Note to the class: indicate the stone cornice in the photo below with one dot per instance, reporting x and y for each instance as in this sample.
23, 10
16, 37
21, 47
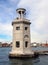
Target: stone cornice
18, 21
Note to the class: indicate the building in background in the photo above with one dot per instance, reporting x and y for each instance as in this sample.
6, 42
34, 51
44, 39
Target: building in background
0, 44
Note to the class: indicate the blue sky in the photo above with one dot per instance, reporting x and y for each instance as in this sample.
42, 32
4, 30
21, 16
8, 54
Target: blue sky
37, 13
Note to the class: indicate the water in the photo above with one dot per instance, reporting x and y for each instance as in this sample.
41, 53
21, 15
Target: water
4, 60
40, 48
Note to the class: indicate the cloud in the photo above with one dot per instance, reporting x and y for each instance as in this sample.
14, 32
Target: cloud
5, 32
5, 40
2, 40
38, 37
13, 1
37, 13
6, 29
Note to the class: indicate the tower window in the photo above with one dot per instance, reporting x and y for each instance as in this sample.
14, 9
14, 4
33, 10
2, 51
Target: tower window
26, 28
26, 43
17, 28
26, 36
17, 44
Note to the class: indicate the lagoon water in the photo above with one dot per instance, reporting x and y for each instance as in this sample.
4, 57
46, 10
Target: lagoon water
4, 59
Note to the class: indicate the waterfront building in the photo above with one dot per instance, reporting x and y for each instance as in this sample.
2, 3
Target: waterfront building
4, 44
0, 44
21, 35
35, 44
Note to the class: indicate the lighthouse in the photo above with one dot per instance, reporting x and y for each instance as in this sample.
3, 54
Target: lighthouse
21, 35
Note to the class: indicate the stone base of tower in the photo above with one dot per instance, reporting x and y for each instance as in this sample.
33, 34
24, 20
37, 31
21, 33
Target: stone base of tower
32, 55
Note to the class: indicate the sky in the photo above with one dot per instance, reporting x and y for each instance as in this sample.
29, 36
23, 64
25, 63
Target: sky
36, 12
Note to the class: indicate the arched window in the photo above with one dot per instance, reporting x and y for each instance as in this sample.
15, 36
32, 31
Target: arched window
17, 44
26, 43
26, 28
18, 28
26, 36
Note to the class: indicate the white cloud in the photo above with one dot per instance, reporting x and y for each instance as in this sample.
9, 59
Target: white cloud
37, 37
24, 3
6, 32
38, 14
4, 40
6, 29
12, 1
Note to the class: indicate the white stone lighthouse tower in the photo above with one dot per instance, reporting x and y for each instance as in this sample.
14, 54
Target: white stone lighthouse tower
21, 36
